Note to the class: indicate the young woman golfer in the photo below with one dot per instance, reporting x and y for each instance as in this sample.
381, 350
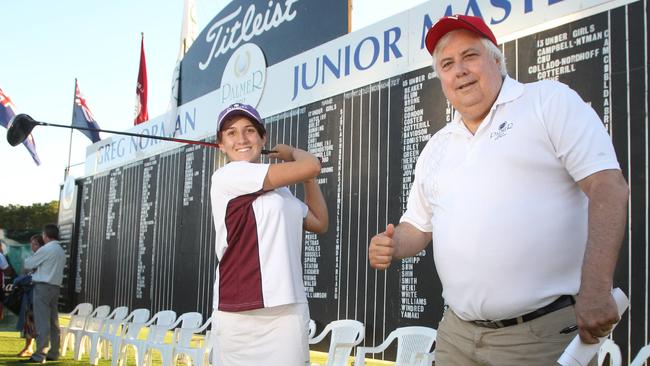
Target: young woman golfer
260, 308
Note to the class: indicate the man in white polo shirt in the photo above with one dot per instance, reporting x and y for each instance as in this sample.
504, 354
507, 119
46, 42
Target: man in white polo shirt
48, 263
523, 199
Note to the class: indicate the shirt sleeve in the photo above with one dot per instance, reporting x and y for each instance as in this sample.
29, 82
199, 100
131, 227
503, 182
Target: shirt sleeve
36, 259
239, 177
578, 135
3, 262
418, 208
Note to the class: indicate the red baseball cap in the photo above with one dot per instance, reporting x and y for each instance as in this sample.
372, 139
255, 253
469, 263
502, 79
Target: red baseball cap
453, 22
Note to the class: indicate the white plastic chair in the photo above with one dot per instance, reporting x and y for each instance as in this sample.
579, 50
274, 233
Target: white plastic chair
642, 356
610, 348
345, 335
312, 329
129, 328
93, 323
196, 354
110, 326
430, 358
413, 346
182, 336
77, 322
158, 326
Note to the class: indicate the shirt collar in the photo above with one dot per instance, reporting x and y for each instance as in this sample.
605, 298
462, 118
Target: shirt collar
510, 90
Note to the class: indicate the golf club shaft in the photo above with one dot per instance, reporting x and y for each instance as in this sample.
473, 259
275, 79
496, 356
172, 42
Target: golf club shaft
191, 142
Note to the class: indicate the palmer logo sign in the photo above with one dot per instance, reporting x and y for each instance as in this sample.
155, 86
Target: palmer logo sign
244, 77
281, 29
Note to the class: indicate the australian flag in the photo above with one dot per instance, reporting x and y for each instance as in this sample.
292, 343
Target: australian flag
6, 114
83, 117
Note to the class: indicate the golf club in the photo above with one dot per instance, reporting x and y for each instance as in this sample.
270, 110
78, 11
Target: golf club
21, 125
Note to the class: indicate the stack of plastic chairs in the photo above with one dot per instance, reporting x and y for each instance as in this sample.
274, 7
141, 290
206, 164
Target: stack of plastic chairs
77, 322
157, 325
198, 355
182, 337
110, 326
93, 323
127, 329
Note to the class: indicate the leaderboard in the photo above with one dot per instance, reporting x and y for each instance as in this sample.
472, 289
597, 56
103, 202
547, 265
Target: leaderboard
577, 54
146, 236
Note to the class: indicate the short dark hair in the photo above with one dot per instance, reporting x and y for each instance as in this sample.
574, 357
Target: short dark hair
38, 238
52, 231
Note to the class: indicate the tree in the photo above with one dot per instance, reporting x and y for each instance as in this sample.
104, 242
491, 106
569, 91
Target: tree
20, 222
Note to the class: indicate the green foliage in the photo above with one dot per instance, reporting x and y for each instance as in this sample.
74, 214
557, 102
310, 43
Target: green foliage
20, 222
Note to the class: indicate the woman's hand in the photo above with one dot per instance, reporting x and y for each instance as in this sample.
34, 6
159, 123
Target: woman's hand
293, 166
282, 152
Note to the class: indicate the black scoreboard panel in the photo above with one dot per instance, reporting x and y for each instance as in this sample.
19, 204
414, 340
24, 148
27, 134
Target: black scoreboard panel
577, 54
146, 236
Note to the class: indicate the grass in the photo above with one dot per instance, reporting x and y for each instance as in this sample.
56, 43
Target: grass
11, 344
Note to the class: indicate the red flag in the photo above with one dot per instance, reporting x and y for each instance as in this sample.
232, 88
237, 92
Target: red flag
141, 113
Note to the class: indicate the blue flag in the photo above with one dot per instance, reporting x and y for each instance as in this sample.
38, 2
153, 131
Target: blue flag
83, 117
6, 114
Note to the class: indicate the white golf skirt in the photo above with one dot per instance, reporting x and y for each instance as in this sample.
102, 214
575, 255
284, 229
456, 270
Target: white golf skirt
276, 336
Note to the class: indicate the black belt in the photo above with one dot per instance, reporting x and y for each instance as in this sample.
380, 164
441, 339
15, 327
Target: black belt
45, 283
561, 302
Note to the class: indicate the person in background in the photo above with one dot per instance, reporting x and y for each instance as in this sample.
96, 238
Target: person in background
261, 314
47, 263
5, 269
526, 205
25, 322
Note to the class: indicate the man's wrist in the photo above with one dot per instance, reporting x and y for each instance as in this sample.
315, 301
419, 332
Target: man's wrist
596, 286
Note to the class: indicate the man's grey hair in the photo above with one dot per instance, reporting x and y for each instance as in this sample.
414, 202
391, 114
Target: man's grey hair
492, 49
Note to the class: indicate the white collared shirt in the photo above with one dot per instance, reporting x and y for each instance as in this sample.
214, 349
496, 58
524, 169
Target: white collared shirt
48, 261
258, 240
508, 221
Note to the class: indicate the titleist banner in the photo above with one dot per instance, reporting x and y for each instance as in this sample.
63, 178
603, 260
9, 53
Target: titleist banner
280, 28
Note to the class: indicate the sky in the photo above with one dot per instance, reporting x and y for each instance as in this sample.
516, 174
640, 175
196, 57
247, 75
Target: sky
47, 44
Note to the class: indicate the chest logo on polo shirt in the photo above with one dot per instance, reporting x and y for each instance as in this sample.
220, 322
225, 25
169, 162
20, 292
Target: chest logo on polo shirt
501, 131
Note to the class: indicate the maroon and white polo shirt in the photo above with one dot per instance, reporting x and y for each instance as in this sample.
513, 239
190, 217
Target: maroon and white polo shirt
258, 240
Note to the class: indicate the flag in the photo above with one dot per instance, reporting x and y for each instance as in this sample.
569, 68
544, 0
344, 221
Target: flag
189, 28
175, 99
82, 116
141, 113
189, 32
6, 114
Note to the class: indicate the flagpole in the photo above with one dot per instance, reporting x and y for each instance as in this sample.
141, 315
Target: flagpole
67, 167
